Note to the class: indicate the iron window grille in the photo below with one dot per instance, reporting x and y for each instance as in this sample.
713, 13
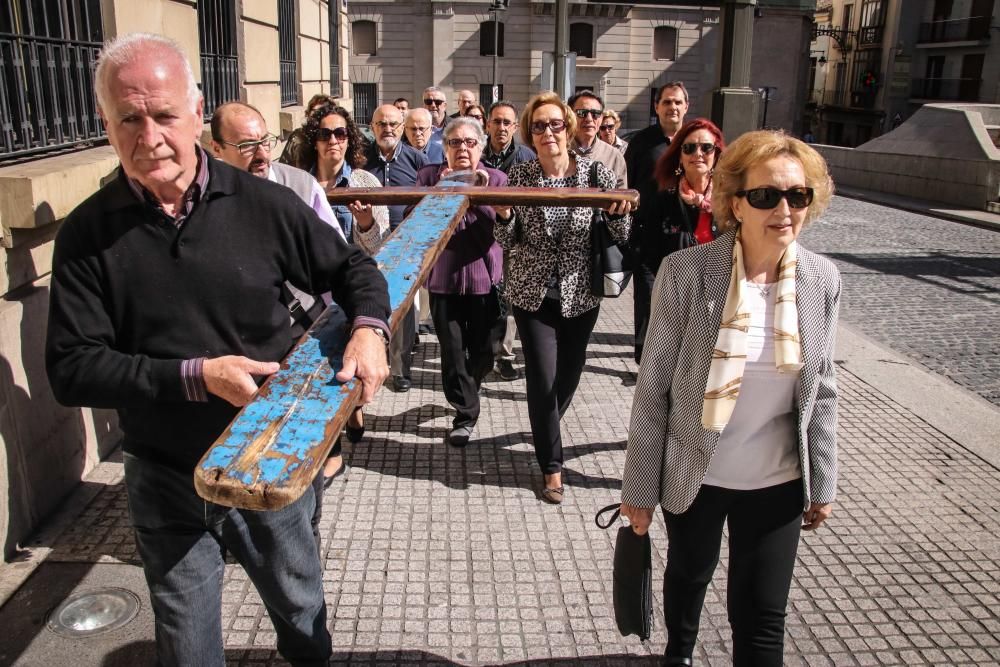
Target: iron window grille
219, 66
487, 29
48, 52
581, 39
286, 53
365, 101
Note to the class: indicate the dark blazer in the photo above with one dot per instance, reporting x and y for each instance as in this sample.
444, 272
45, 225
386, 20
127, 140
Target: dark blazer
662, 225
669, 451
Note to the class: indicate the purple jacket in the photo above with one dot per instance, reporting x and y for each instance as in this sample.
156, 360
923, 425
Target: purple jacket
472, 262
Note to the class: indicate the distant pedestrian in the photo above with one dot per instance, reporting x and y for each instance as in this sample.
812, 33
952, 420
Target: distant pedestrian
417, 129
476, 111
548, 277
734, 419
676, 211
402, 104
297, 146
465, 99
589, 109
608, 130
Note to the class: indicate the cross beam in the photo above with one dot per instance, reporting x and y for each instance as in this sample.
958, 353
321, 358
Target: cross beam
276, 445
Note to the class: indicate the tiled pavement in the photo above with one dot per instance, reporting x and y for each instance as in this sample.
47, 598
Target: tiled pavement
436, 557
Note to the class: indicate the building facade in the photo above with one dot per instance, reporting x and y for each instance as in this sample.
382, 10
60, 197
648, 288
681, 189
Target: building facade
273, 54
875, 64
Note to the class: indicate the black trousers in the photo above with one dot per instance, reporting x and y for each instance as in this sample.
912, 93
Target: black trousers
764, 527
466, 330
555, 350
642, 295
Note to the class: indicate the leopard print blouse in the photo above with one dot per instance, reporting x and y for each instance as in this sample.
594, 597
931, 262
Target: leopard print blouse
549, 244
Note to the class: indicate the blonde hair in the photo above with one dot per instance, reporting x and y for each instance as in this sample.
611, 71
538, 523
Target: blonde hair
540, 100
613, 115
752, 149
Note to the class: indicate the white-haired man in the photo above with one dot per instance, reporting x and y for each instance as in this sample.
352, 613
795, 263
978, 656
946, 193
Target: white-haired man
166, 305
417, 128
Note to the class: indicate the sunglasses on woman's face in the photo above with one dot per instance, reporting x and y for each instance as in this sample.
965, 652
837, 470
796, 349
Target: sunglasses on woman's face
326, 133
768, 197
689, 149
557, 125
607, 128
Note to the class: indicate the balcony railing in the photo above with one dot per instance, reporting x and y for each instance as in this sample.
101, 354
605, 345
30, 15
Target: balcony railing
858, 98
973, 28
951, 90
870, 35
47, 97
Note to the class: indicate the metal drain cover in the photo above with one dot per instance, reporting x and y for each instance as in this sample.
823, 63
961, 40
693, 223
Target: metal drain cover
94, 612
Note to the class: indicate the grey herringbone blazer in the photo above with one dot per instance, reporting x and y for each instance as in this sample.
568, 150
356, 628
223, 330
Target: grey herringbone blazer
668, 449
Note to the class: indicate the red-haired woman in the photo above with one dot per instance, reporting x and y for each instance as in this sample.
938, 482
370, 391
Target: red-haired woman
676, 210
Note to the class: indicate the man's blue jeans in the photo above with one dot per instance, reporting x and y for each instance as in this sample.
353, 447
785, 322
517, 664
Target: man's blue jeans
181, 538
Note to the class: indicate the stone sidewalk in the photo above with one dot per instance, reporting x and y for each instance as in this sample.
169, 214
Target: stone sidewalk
437, 557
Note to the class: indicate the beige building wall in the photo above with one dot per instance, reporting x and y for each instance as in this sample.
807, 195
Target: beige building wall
45, 449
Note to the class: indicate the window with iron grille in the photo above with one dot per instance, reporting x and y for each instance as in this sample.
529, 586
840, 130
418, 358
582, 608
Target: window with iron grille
872, 23
48, 51
363, 37
487, 30
581, 39
219, 66
334, 12
664, 43
286, 53
486, 94
365, 101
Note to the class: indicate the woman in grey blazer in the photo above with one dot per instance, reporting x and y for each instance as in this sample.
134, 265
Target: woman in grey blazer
735, 412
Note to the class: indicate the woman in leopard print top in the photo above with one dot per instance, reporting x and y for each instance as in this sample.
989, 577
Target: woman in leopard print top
547, 279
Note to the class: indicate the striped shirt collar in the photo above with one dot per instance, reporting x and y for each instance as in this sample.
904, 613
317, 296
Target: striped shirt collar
191, 196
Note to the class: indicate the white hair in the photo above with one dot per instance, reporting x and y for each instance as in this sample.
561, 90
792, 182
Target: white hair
465, 121
132, 47
419, 111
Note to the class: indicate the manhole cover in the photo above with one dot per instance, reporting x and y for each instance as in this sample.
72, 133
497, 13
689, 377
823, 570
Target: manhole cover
95, 612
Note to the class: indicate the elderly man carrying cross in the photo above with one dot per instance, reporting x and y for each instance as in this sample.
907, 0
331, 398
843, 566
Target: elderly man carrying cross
166, 305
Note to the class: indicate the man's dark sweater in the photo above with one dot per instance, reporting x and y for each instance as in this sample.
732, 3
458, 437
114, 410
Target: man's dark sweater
644, 149
133, 297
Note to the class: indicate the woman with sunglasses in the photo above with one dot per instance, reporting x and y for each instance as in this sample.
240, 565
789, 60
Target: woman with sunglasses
547, 279
607, 131
464, 303
735, 412
477, 112
676, 210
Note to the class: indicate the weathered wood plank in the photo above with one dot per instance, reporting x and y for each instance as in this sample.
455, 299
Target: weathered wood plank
276, 445
489, 196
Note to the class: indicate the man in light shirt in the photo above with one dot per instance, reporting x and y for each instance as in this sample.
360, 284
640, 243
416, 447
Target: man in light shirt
589, 109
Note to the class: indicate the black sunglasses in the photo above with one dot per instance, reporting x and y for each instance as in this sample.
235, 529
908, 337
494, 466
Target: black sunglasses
326, 133
428, 102
706, 148
593, 113
769, 197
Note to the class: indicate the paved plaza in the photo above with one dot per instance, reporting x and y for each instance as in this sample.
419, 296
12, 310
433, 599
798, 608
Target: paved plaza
437, 556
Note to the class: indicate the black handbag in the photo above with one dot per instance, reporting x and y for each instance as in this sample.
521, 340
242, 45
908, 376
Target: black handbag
633, 578
610, 268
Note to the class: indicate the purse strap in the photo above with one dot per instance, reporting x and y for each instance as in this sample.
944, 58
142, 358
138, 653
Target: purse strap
617, 507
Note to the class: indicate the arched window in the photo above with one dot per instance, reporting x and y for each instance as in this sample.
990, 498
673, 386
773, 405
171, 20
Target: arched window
363, 38
581, 39
486, 32
665, 43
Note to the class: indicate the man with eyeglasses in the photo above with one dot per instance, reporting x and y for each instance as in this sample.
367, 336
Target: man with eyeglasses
417, 133
436, 102
502, 153
395, 163
589, 109
466, 98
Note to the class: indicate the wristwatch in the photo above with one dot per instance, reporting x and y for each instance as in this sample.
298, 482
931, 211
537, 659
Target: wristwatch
379, 331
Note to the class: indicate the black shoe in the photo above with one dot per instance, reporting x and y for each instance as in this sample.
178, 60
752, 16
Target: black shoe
424, 329
402, 384
459, 436
342, 470
355, 433
506, 370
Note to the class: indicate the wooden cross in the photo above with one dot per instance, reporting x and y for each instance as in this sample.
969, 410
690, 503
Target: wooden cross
277, 444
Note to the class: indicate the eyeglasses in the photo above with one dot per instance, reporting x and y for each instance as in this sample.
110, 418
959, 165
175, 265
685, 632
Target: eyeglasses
416, 129
769, 197
387, 124
607, 128
502, 122
456, 142
706, 148
248, 148
474, 115
326, 133
557, 125
593, 113
429, 102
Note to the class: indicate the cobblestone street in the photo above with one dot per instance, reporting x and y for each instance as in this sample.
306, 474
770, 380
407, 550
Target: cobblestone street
435, 556
925, 287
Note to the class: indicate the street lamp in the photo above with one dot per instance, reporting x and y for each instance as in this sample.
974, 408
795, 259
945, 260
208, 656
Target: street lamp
495, 7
